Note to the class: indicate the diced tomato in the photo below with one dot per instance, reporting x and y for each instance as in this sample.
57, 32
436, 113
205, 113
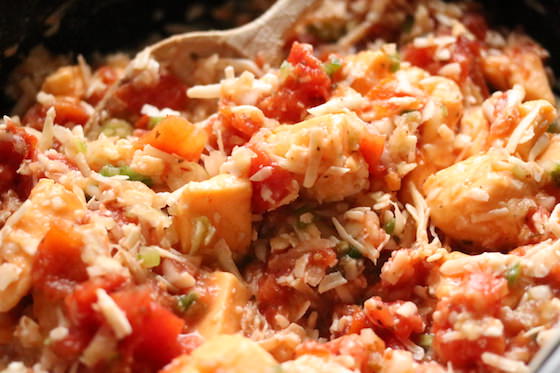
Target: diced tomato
422, 57
71, 346
359, 320
476, 24
349, 345
305, 85
506, 119
58, 265
371, 148
464, 353
387, 315
68, 111
15, 146
482, 292
168, 92
79, 303
155, 338
84, 319
244, 124
108, 75
465, 52
273, 298
143, 122
481, 295
238, 126
270, 192
468, 54
178, 136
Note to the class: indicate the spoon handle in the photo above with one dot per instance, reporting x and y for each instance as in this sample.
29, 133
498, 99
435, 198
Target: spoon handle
547, 360
265, 37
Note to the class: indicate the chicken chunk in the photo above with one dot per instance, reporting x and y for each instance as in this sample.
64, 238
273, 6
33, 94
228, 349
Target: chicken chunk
224, 354
520, 64
484, 199
214, 209
323, 153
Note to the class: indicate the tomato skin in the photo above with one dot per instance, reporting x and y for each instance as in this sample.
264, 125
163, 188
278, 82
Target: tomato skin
58, 266
167, 92
305, 86
280, 183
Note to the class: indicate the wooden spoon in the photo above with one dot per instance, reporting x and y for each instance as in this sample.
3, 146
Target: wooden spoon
263, 37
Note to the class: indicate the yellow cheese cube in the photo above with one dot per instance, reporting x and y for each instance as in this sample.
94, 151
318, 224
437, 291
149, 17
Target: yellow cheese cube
214, 209
229, 295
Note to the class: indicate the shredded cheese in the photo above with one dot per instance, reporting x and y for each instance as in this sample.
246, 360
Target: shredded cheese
113, 314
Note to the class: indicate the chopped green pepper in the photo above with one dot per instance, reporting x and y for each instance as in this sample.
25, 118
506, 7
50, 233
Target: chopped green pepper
408, 23
395, 63
425, 340
149, 257
81, 146
389, 226
332, 66
185, 301
109, 170
154, 121
116, 127
354, 253
555, 175
285, 70
512, 274
553, 127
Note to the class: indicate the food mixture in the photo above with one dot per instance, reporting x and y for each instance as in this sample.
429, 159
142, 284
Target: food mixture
385, 200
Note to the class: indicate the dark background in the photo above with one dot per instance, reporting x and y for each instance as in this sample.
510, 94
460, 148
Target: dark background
89, 26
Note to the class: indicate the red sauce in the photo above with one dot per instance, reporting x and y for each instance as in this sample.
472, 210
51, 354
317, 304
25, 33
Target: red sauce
305, 85
279, 183
168, 92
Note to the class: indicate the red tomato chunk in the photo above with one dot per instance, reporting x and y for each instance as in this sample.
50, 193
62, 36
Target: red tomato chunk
270, 192
305, 84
